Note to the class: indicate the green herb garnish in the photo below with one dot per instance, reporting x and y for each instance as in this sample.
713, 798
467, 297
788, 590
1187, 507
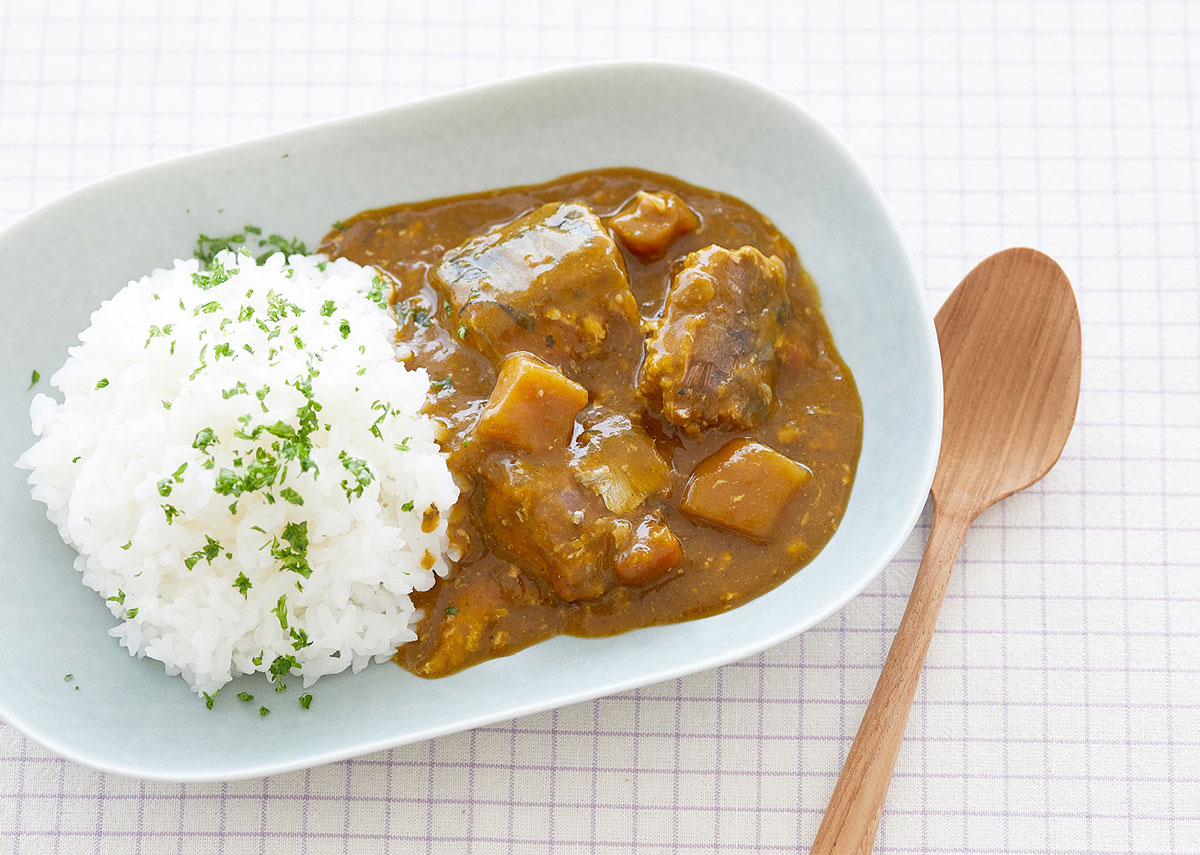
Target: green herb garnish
295, 246
280, 611
360, 473
280, 669
204, 438
33, 378
376, 295
293, 556
208, 552
158, 332
208, 247
299, 639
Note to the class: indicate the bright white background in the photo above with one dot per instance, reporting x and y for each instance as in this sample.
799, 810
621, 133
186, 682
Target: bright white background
1060, 709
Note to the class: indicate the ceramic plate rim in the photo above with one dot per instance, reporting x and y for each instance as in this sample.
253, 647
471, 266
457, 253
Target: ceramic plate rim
500, 89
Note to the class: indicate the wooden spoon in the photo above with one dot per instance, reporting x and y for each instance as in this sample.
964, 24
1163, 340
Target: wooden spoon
1009, 336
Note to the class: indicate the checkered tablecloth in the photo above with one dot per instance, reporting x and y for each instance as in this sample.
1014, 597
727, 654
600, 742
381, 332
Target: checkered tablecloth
1060, 708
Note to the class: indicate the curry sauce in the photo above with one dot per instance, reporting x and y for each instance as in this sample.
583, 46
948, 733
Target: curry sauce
638, 395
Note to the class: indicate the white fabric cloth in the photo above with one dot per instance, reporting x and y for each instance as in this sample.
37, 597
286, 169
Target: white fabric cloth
1059, 711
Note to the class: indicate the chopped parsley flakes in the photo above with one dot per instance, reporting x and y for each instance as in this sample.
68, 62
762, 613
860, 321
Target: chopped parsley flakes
299, 639
292, 552
256, 451
207, 553
360, 475
204, 438
207, 247
376, 295
280, 668
280, 611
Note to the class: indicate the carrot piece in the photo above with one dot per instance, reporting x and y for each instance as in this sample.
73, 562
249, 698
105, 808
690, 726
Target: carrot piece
652, 222
655, 550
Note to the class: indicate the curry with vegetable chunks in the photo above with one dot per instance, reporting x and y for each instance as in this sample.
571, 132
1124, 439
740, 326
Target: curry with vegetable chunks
639, 398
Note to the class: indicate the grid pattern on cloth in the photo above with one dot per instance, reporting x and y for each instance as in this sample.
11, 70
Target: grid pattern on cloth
1059, 711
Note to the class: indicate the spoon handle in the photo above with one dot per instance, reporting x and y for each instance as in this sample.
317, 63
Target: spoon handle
852, 818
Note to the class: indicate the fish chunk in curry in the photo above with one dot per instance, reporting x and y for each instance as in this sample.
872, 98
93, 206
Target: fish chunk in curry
639, 399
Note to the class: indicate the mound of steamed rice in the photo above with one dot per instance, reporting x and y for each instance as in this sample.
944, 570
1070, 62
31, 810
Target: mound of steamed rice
244, 469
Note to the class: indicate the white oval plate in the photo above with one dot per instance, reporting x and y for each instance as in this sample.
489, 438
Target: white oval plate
709, 128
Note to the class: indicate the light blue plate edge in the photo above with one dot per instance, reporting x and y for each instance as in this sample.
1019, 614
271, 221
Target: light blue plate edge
900, 525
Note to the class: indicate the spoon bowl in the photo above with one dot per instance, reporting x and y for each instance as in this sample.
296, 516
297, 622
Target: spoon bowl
1010, 342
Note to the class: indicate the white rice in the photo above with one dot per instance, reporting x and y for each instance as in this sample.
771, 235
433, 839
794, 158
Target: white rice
129, 475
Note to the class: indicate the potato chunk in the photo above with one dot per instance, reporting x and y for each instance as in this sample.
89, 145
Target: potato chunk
651, 222
744, 487
551, 282
532, 406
